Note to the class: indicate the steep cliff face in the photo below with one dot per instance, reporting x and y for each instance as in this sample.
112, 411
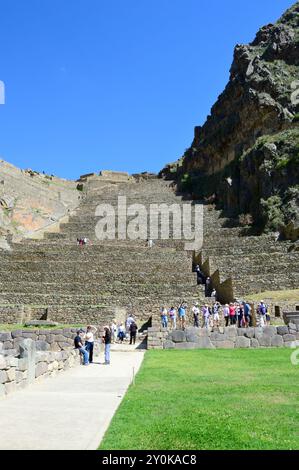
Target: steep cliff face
247, 152
30, 201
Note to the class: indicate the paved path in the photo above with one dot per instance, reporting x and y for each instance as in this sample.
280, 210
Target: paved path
69, 411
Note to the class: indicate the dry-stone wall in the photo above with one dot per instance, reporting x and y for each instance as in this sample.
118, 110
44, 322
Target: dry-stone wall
26, 356
224, 337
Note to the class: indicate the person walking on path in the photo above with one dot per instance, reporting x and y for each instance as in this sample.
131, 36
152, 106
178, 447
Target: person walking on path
195, 311
172, 317
121, 332
79, 345
89, 340
107, 342
133, 332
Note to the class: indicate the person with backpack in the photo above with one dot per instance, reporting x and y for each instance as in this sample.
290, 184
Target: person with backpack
247, 314
262, 311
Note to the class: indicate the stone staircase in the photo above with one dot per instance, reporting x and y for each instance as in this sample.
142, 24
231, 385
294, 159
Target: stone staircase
55, 278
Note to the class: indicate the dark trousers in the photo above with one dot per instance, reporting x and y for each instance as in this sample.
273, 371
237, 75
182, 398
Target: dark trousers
89, 349
132, 337
196, 323
226, 321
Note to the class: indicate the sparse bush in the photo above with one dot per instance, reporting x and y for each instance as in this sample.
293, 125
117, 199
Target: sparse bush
272, 213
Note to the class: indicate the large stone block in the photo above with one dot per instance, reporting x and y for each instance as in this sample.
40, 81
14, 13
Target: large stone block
289, 337
231, 331
42, 345
277, 341
265, 340
186, 345
249, 332
178, 336
270, 330
41, 368
282, 330
11, 374
5, 337
205, 343
3, 376
242, 342
254, 343
224, 344
169, 345
23, 364
10, 387
3, 363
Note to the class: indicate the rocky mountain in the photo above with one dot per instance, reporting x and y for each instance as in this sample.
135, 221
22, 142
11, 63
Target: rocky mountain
246, 155
32, 201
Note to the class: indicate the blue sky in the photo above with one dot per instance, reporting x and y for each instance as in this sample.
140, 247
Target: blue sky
115, 84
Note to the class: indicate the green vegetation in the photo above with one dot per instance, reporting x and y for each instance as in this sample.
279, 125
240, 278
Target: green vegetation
279, 295
296, 118
210, 399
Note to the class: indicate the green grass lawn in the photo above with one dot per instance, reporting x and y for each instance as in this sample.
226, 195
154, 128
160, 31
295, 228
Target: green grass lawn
278, 295
210, 399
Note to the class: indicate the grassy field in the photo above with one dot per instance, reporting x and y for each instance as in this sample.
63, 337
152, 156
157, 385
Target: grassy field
278, 295
210, 399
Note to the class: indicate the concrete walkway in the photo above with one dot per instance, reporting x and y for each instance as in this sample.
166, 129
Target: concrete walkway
70, 411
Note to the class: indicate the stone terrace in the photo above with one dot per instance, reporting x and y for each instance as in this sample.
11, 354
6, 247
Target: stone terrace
57, 279
240, 264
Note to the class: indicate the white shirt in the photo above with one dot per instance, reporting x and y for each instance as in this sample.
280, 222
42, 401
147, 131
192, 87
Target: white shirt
89, 337
195, 310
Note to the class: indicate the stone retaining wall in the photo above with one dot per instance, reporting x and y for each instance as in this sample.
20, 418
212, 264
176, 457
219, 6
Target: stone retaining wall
45, 340
223, 337
30, 365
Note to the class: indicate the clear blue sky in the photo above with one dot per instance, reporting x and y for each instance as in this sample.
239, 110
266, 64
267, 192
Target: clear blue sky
115, 84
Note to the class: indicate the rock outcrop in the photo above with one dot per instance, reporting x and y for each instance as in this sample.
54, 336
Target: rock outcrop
247, 152
31, 201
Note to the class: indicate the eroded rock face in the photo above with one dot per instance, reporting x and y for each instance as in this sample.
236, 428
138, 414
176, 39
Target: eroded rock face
260, 101
30, 200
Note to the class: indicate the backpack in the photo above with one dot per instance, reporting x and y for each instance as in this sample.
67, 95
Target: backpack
263, 309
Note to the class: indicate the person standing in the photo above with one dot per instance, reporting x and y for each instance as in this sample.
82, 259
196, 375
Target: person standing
130, 319
107, 342
206, 315
182, 315
133, 332
232, 313
79, 345
113, 332
195, 311
226, 314
164, 318
89, 340
216, 318
121, 332
172, 317
262, 310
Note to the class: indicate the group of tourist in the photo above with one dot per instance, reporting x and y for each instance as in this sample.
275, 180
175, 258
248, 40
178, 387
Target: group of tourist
235, 313
84, 340
123, 332
83, 241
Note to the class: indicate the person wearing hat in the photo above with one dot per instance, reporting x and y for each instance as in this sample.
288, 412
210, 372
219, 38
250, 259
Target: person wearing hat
79, 345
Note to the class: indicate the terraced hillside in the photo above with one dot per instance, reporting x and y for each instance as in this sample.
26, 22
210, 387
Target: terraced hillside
101, 281
240, 264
